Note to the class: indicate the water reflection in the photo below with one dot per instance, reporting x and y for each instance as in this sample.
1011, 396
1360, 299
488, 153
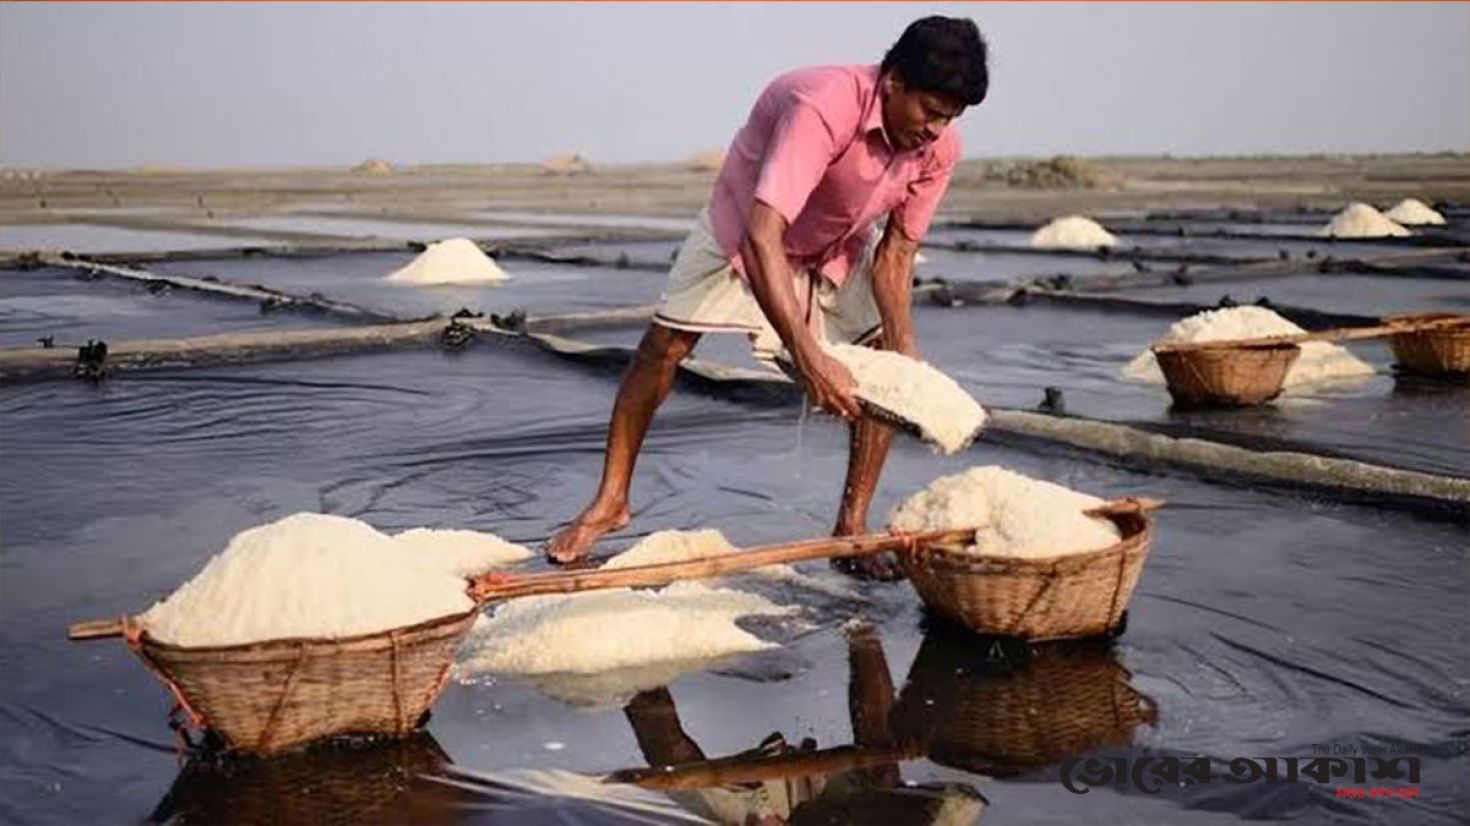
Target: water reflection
983, 706
1004, 710
348, 782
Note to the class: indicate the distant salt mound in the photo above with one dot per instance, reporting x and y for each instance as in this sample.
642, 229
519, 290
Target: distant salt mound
565, 164
1412, 212
373, 166
1073, 232
709, 161
455, 261
1360, 220
1319, 360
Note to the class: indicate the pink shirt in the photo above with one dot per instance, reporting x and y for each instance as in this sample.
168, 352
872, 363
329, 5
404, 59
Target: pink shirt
814, 150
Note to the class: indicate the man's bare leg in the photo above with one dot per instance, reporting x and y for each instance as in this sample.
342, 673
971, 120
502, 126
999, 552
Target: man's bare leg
868, 442
645, 386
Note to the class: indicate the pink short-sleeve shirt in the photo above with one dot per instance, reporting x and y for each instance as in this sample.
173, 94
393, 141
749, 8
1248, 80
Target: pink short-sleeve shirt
814, 149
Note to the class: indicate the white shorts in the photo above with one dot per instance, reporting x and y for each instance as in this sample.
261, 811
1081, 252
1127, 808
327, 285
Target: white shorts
705, 295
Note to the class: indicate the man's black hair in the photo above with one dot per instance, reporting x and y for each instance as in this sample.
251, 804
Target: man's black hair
943, 56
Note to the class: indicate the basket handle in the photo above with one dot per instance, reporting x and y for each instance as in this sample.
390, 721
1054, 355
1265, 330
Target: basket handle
1128, 504
1392, 328
97, 629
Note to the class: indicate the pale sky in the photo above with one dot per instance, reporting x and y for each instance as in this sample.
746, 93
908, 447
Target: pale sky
219, 84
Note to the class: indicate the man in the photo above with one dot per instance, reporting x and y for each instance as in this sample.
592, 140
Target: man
785, 252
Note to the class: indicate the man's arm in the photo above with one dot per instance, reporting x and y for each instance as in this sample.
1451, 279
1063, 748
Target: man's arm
772, 282
893, 278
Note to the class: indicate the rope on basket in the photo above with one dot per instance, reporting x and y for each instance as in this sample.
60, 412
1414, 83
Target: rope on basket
133, 636
397, 696
269, 733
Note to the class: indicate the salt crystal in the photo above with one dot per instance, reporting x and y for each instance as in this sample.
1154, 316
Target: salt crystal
1360, 220
915, 391
1073, 232
1412, 212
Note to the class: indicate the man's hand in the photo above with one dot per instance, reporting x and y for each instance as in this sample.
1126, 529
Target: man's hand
828, 382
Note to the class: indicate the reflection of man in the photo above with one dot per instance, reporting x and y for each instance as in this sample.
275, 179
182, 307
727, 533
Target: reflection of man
787, 253
823, 790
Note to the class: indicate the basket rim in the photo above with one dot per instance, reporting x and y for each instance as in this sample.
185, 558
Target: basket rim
1140, 526
1224, 348
259, 646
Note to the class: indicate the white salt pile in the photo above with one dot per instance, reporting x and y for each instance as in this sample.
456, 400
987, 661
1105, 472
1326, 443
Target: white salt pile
1318, 361
465, 553
1412, 212
1074, 232
455, 261
1360, 220
614, 643
1016, 515
315, 575
915, 391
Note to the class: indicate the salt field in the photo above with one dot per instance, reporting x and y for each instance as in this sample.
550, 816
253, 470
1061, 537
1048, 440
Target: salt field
1269, 618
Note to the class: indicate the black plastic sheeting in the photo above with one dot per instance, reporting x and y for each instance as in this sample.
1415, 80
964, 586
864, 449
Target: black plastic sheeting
1265, 623
72, 308
534, 287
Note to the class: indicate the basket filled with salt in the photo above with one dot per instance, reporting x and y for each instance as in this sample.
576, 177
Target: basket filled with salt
1435, 344
1046, 562
310, 627
1226, 375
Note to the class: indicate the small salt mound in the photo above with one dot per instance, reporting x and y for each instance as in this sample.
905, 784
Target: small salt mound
1412, 212
672, 546
679, 546
916, 391
1360, 220
629, 639
462, 552
1318, 361
455, 261
1016, 515
308, 575
1073, 232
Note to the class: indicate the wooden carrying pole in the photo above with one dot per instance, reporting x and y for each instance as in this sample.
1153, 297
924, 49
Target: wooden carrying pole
1340, 334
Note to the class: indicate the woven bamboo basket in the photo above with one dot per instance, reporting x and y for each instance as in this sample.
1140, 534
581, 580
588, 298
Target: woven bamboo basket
1441, 351
997, 718
1060, 597
270, 697
1235, 376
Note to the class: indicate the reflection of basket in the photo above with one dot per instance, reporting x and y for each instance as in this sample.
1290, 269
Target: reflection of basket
327, 785
1434, 351
1234, 376
265, 698
992, 717
1076, 595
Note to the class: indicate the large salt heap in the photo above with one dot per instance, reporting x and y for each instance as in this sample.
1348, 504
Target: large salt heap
1360, 220
1412, 212
1074, 232
316, 575
455, 261
1319, 360
1015, 515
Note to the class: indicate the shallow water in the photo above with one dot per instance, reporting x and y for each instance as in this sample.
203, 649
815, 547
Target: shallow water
1354, 294
72, 308
1264, 623
423, 231
95, 238
534, 287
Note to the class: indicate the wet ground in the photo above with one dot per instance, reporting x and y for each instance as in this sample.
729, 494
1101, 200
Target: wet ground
1266, 623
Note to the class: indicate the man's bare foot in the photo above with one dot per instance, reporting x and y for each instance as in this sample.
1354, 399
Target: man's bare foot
881, 567
576, 540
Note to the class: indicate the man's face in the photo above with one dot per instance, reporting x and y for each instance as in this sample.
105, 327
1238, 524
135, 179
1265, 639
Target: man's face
915, 118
